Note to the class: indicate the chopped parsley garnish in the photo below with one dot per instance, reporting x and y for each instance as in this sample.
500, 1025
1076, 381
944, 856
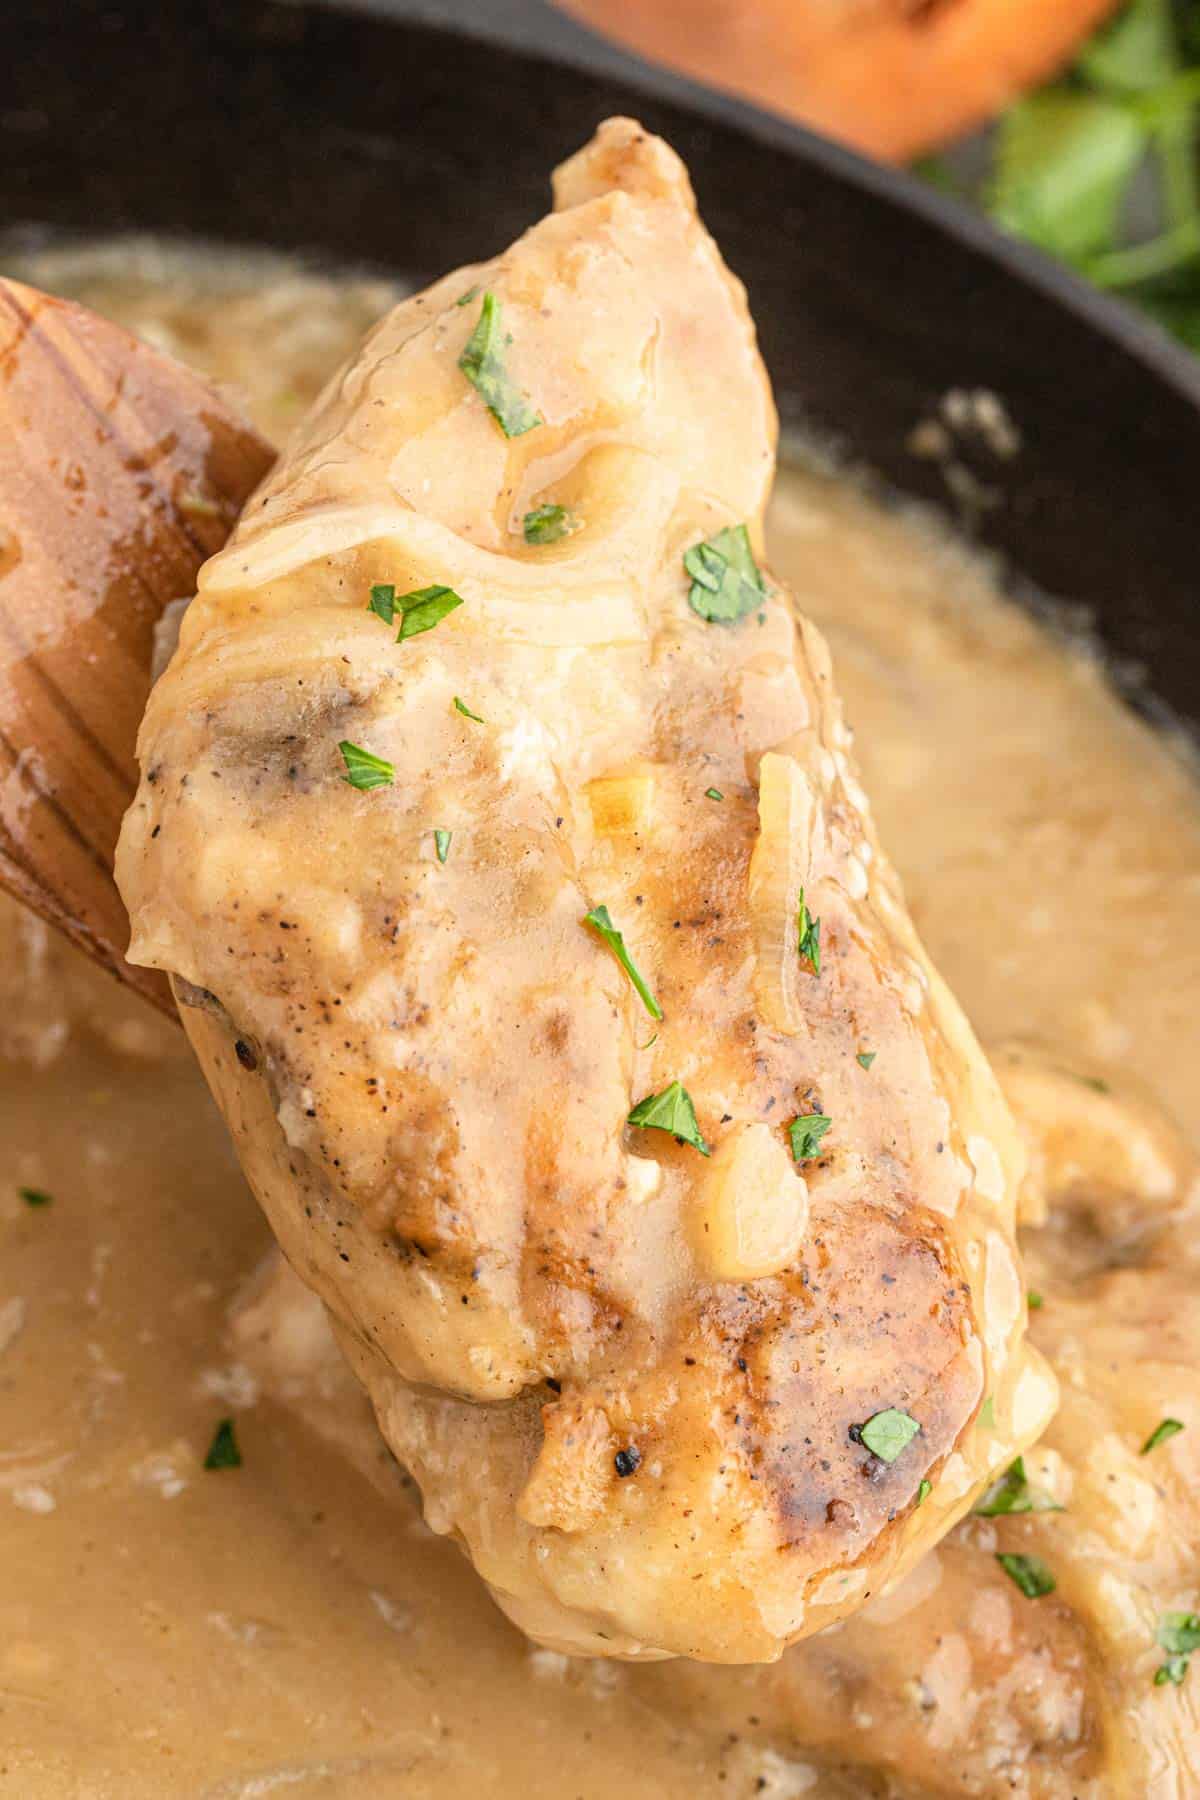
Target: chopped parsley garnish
924, 1491
887, 1433
483, 364
460, 706
1035, 1301
424, 608
713, 794
806, 1133
364, 770
466, 299
1069, 159
987, 1414
672, 1111
599, 918
1166, 1428
35, 1196
1179, 1634
419, 611
1029, 1573
1015, 1493
223, 1452
808, 936
726, 582
865, 1058
546, 524
441, 842
383, 601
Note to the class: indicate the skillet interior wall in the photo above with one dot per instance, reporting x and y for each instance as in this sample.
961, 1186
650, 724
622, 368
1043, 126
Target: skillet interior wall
412, 148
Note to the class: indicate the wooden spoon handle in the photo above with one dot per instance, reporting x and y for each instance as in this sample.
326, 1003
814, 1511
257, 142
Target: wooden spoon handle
120, 473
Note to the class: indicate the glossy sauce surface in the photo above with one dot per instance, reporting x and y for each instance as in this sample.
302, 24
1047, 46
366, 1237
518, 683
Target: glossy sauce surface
290, 1625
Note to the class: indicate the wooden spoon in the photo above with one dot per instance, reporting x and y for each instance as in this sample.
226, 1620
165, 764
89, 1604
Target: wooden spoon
120, 473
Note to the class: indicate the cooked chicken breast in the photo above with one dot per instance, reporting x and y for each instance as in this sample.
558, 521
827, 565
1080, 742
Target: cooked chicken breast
500, 828
957, 1684
962, 1683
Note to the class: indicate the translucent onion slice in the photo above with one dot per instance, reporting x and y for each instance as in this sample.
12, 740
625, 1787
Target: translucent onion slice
779, 868
591, 594
506, 599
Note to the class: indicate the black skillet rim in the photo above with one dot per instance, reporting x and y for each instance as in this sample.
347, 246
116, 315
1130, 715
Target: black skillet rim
874, 293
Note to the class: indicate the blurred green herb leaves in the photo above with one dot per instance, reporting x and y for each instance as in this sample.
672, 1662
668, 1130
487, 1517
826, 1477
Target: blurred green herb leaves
1077, 167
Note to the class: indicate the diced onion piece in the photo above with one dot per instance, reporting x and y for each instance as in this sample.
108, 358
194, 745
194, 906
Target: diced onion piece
621, 803
778, 871
754, 1209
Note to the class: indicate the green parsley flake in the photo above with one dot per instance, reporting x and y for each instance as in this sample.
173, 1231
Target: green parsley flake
35, 1196
1015, 1493
424, 608
383, 601
599, 918
546, 524
865, 1058
672, 1111
726, 582
483, 364
887, 1433
924, 1491
808, 936
466, 299
1167, 1428
441, 841
987, 1414
1029, 1573
364, 770
223, 1452
1035, 1301
1179, 1635
806, 1133
419, 611
460, 706
713, 794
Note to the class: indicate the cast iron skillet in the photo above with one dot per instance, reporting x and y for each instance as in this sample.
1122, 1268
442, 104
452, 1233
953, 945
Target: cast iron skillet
393, 141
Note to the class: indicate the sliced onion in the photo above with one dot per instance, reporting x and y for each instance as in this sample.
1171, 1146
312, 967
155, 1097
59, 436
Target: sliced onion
753, 1208
586, 595
779, 869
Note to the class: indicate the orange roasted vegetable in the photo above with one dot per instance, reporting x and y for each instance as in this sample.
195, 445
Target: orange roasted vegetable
891, 77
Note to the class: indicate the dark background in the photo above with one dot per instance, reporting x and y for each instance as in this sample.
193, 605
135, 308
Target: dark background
403, 145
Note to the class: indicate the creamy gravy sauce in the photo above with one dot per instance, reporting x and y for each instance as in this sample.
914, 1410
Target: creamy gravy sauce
291, 1626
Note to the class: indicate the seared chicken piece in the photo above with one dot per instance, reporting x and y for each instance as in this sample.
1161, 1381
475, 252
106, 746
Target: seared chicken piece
684, 1324
958, 1684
